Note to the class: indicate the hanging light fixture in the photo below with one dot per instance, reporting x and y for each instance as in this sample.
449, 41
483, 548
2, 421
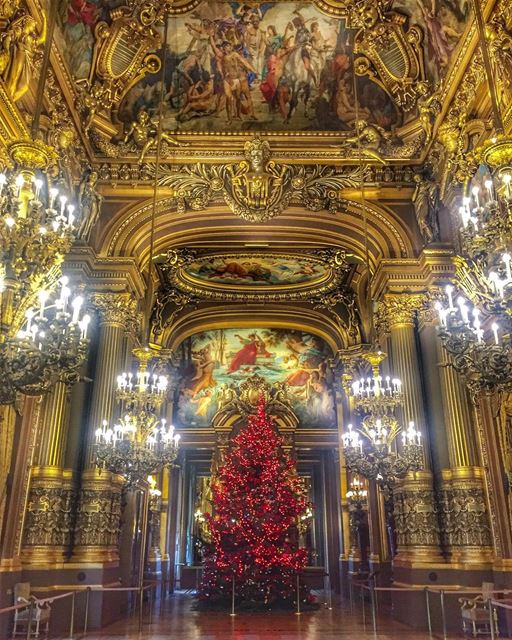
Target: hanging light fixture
43, 333
140, 443
477, 334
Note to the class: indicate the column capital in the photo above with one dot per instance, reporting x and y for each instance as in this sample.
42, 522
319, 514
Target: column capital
396, 310
115, 308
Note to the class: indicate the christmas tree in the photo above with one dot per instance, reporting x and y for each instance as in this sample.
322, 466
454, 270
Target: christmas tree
258, 499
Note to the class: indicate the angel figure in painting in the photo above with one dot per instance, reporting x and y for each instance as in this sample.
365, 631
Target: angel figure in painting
145, 135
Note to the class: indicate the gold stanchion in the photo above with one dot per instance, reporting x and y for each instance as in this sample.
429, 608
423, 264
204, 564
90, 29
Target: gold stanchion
233, 597
298, 613
142, 557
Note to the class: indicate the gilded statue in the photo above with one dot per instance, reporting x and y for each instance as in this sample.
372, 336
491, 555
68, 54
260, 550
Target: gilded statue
145, 135
500, 48
370, 138
90, 204
19, 46
426, 204
8, 8
429, 107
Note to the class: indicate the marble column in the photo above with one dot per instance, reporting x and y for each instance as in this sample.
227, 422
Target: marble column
98, 517
465, 526
415, 510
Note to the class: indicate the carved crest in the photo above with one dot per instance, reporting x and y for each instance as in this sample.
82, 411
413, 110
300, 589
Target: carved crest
392, 57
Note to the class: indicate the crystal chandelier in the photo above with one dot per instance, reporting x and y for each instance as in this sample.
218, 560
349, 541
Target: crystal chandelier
375, 456
478, 337
50, 346
140, 443
377, 396
480, 347
357, 495
371, 451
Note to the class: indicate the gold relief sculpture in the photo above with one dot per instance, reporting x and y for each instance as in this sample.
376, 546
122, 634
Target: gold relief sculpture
391, 56
398, 309
20, 45
244, 398
465, 525
144, 135
117, 308
416, 519
122, 56
48, 526
258, 189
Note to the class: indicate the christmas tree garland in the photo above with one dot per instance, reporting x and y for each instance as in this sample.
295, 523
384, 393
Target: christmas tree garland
258, 499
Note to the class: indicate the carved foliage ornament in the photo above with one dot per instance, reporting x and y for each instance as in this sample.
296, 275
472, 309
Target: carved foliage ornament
258, 189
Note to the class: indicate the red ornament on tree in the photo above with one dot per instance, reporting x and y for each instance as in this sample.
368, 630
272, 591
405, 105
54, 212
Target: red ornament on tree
258, 499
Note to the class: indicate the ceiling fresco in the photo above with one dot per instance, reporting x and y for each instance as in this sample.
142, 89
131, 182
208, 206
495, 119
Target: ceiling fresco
246, 270
269, 66
214, 363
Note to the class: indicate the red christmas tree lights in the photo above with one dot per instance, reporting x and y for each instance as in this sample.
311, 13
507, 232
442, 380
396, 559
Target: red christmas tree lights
258, 499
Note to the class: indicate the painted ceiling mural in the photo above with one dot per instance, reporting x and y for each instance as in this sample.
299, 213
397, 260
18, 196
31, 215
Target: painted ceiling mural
276, 66
256, 271
214, 361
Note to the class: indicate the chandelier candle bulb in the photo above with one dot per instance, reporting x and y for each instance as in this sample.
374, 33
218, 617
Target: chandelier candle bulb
506, 259
449, 293
495, 328
507, 178
475, 192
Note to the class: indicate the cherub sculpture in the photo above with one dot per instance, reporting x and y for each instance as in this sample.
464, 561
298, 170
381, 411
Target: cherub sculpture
144, 134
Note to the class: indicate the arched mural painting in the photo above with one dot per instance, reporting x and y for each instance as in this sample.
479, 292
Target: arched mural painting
212, 362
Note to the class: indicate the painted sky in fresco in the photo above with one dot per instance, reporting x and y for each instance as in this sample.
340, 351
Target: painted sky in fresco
214, 360
254, 271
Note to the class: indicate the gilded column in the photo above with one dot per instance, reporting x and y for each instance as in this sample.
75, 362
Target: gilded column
48, 522
345, 515
415, 509
465, 526
98, 517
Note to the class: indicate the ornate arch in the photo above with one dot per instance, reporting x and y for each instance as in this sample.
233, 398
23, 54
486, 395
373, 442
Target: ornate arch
128, 232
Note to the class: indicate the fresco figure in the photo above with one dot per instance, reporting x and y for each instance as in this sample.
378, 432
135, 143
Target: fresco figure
216, 362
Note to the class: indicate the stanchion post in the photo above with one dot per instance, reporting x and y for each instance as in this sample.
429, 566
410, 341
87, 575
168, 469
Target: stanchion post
86, 614
142, 558
351, 594
72, 616
151, 604
443, 614
362, 602
329, 593
30, 617
374, 614
429, 619
491, 619
233, 596
298, 613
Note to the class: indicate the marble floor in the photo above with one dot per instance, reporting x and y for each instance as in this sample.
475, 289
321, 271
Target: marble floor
178, 621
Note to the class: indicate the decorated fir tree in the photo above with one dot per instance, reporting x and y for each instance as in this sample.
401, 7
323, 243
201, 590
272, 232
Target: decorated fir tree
258, 499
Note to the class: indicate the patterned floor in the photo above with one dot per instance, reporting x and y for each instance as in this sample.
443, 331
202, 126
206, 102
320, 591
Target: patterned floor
178, 621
